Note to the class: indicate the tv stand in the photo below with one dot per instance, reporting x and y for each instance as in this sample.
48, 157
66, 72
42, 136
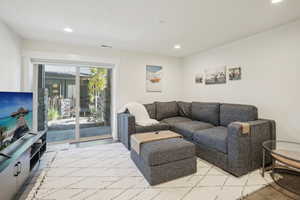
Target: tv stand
19, 165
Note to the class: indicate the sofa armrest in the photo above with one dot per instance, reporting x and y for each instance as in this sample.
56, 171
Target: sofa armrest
272, 127
126, 127
245, 149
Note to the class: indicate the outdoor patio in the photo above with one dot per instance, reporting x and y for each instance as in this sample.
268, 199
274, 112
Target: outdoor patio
64, 129
63, 135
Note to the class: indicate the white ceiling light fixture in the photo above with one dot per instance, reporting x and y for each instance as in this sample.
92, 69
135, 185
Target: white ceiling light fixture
68, 30
276, 1
177, 46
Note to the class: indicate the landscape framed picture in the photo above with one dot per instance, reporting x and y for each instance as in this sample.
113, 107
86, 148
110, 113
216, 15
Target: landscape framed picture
215, 75
154, 76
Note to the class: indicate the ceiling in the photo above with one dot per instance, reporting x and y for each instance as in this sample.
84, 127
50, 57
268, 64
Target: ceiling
153, 26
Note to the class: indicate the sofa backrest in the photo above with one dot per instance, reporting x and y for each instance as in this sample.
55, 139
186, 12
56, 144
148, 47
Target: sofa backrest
236, 112
184, 109
206, 112
166, 110
214, 113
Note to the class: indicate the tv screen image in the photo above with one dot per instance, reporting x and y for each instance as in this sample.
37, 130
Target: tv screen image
15, 116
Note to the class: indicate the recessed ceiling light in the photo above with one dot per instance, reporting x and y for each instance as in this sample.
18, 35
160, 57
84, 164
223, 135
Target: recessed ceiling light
276, 1
177, 46
68, 30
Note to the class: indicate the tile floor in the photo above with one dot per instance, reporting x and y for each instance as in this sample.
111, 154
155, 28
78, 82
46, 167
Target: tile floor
106, 172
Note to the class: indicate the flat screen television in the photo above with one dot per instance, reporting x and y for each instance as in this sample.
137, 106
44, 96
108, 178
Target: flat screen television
15, 116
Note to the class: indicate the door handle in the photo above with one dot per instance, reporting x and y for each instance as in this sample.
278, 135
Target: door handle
16, 170
19, 168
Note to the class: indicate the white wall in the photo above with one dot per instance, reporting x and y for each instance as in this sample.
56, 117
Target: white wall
10, 59
270, 76
131, 69
133, 74
270, 69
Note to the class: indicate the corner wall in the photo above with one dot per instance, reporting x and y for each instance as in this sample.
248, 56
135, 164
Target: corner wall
270, 64
10, 59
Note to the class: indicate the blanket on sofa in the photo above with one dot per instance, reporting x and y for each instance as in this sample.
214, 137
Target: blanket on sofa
140, 113
138, 139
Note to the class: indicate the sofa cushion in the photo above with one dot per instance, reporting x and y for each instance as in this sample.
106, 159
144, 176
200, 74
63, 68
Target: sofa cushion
166, 110
188, 128
185, 109
166, 151
157, 127
215, 138
236, 112
174, 120
151, 108
206, 112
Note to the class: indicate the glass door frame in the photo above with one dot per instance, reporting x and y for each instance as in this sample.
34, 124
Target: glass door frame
77, 66
77, 104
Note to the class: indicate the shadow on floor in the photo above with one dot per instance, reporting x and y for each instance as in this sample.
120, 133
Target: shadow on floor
276, 192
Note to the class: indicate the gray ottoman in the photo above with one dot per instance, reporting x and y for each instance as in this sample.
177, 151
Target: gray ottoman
165, 160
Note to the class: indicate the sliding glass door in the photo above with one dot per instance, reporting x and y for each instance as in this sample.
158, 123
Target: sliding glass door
60, 82
79, 102
94, 115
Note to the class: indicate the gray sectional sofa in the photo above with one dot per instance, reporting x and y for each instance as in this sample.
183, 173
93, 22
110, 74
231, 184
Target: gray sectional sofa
212, 128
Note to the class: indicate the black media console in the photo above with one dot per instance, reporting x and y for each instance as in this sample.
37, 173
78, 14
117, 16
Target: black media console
19, 162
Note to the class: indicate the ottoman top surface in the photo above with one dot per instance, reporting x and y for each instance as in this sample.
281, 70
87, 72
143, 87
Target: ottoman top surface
166, 151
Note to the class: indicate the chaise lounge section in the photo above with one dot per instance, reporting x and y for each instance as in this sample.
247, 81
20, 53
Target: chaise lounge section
214, 128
